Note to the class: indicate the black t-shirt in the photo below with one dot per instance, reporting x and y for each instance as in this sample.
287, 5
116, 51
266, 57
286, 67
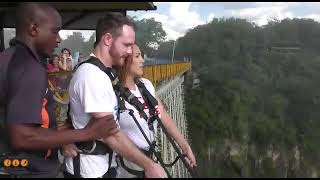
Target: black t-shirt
28, 100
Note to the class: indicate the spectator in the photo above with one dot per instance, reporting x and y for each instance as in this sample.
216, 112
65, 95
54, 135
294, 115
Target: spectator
65, 62
53, 65
81, 58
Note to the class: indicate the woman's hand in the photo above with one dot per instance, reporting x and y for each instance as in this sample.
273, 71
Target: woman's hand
191, 160
70, 150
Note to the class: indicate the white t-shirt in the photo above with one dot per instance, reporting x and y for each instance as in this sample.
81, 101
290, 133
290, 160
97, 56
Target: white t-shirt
90, 91
127, 124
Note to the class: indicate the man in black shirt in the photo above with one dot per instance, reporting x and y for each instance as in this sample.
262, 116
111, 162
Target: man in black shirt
27, 119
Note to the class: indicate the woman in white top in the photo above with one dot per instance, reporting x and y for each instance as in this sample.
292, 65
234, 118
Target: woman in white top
129, 74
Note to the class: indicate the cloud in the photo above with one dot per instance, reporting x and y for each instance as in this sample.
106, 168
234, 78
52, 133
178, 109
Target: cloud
156, 16
311, 6
85, 33
276, 4
316, 17
65, 33
210, 17
179, 19
233, 5
264, 12
260, 15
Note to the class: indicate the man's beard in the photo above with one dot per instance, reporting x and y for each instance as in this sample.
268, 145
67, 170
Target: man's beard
115, 55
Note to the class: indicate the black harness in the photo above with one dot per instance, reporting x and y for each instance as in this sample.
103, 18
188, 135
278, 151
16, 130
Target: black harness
154, 116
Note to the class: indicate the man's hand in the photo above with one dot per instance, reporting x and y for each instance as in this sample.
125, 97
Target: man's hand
102, 127
155, 171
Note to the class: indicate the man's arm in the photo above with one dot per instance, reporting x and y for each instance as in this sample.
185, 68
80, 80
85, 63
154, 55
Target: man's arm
33, 137
121, 144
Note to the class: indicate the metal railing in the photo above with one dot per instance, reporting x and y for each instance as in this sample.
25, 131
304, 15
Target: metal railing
157, 73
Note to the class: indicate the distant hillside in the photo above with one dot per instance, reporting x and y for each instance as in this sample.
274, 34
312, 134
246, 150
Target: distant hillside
255, 112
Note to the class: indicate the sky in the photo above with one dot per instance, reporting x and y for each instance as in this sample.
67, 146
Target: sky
178, 17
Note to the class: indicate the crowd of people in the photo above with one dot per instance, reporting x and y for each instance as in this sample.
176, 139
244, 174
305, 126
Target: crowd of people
64, 61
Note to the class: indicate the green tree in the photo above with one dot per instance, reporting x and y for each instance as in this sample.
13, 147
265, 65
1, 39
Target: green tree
265, 100
149, 35
165, 50
88, 45
74, 42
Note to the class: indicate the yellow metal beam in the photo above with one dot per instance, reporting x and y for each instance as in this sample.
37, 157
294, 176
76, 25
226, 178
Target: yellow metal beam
155, 73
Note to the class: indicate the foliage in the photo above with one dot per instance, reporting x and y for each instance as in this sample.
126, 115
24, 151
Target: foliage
265, 99
76, 42
149, 35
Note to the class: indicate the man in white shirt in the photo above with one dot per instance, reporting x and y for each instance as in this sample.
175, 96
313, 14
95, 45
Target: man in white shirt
91, 95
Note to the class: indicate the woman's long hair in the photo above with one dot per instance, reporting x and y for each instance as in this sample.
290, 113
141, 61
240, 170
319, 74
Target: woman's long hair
123, 70
52, 58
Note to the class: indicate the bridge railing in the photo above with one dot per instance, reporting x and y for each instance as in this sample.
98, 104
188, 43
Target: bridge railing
157, 73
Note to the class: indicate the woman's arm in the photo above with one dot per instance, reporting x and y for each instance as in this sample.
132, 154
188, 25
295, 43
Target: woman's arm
177, 136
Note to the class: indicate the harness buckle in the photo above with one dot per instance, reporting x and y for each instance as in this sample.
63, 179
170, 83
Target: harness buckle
92, 149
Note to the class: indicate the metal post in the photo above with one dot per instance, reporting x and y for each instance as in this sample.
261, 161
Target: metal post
2, 14
174, 45
2, 39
